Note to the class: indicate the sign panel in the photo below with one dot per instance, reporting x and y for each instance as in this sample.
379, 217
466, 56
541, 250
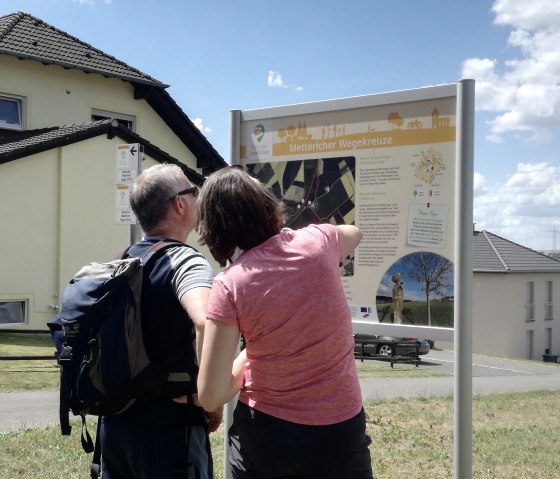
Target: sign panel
385, 163
127, 160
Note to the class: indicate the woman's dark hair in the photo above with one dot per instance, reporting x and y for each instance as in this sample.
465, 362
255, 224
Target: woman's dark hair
236, 210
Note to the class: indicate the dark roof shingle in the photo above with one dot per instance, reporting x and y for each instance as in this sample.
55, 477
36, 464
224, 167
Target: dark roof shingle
31, 142
25, 36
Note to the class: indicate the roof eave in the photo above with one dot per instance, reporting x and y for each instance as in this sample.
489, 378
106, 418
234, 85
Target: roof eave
111, 129
72, 66
208, 159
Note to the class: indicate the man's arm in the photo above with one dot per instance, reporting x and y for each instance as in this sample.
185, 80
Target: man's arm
194, 302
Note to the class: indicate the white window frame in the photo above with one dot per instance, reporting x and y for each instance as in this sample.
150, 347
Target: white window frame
530, 304
21, 104
4, 304
105, 114
549, 304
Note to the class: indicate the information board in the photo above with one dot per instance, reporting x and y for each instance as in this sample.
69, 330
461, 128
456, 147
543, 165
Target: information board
386, 163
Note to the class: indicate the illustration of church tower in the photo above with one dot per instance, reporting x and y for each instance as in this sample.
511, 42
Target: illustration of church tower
435, 116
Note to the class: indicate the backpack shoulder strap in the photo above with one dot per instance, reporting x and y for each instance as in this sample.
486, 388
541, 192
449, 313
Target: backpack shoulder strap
156, 251
161, 245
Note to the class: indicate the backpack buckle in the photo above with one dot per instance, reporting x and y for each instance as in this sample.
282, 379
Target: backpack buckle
65, 355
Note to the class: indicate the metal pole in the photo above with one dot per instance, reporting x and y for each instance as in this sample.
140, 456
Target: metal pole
235, 145
135, 229
463, 280
235, 140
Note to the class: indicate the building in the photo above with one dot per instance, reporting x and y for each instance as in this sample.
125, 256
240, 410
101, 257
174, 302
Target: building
65, 106
514, 292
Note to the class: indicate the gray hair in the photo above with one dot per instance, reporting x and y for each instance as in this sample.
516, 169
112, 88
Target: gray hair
152, 190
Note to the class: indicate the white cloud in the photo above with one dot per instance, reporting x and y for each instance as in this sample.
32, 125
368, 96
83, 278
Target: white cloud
275, 80
199, 124
528, 15
524, 90
524, 209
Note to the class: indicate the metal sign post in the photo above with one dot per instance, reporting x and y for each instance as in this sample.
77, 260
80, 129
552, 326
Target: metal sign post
464, 280
128, 163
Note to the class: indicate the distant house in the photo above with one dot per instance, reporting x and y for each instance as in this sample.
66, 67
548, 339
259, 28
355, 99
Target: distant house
514, 293
64, 108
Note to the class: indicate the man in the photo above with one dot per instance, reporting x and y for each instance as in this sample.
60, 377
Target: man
166, 437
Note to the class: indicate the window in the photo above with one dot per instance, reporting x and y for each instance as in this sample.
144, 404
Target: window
530, 304
529, 344
548, 339
12, 112
128, 121
549, 304
12, 312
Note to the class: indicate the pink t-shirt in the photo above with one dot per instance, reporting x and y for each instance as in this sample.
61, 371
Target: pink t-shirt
286, 296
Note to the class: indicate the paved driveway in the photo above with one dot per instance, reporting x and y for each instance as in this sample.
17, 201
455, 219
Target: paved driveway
490, 375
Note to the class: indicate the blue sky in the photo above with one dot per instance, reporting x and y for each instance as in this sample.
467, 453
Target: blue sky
235, 54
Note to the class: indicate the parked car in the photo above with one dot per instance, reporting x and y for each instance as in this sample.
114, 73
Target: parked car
371, 345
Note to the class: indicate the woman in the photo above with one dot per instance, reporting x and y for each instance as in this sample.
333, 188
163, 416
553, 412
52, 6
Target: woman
299, 413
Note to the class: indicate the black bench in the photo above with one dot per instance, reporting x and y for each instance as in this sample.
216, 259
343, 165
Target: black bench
394, 358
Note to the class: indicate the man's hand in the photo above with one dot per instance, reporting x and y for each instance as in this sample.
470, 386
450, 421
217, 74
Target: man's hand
215, 419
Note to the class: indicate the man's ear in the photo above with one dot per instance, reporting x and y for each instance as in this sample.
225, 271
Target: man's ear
177, 204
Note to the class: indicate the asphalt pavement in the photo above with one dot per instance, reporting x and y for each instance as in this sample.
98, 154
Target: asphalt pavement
33, 409
489, 376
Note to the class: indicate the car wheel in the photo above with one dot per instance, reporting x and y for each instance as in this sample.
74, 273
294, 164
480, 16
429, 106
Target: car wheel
384, 350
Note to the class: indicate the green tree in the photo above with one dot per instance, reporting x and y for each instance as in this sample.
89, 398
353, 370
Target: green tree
433, 272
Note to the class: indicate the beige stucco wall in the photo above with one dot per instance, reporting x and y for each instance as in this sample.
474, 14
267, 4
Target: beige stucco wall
48, 104
29, 225
499, 314
88, 229
58, 214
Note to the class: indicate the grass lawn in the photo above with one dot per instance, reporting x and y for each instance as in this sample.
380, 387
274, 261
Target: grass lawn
514, 435
20, 375
412, 438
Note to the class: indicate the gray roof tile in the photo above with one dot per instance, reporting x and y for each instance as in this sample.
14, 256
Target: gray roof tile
25, 36
492, 253
30, 139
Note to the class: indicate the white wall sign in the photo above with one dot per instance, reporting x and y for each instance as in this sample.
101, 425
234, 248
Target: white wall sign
127, 161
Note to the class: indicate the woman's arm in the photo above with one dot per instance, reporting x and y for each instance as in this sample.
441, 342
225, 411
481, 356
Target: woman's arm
349, 237
221, 374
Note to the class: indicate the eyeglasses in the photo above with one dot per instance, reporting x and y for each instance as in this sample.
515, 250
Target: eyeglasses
192, 189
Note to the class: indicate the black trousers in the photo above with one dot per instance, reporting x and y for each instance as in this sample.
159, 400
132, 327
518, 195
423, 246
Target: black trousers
265, 447
156, 441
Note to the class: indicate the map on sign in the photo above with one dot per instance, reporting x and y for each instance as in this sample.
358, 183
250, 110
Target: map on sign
429, 165
313, 191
